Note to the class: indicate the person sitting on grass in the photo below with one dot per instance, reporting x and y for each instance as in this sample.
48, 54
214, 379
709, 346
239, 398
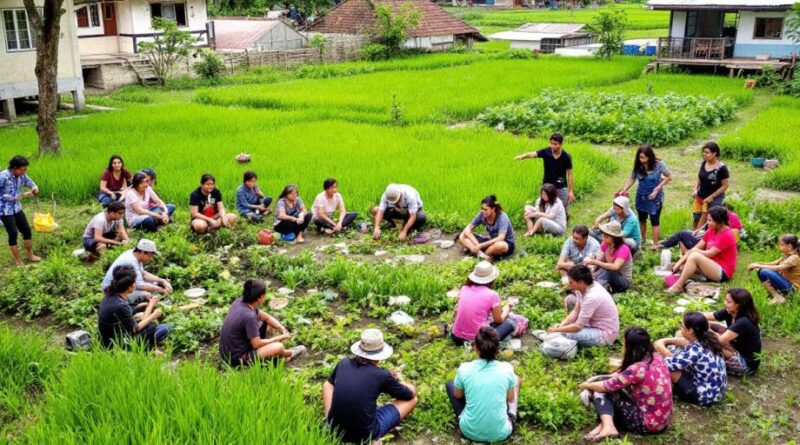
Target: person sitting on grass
105, 230
291, 217
207, 209
350, 394
697, 367
147, 284
638, 397
499, 241
547, 214
485, 392
594, 321
557, 169
479, 305
740, 336
113, 182
613, 265
12, 217
714, 257
781, 276
399, 202
251, 202
115, 321
577, 248
243, 338
686, 239
621, 212
144, 210
325, 206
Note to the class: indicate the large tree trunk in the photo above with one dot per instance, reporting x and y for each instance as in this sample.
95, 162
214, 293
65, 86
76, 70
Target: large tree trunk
48, 30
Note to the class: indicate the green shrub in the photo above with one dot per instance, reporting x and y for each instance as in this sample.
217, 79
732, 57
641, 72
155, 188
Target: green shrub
519, 53
612, 117
375, 51
210, 66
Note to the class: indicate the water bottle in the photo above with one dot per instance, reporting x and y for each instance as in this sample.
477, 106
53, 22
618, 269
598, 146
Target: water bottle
666, 258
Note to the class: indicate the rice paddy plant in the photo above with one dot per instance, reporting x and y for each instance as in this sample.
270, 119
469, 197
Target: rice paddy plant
685, 84
438, 95
25, 365
191, 402
612, 117
769, 135
452, 168
638, 16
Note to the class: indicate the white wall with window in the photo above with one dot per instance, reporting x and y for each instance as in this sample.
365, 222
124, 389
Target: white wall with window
88, 19
763, 33
17, 30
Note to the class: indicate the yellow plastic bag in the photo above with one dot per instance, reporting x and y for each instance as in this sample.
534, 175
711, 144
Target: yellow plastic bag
44, 222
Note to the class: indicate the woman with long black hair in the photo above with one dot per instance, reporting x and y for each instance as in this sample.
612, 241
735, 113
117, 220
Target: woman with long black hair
653, 175
638, 397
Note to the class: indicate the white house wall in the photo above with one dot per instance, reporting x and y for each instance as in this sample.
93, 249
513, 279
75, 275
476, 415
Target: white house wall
747, 46
17, 77
526, 44
432, 43
678, 28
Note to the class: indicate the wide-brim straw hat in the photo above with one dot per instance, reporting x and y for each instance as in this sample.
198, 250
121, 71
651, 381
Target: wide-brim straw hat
484, 273
371, 346
612, 228
393, 193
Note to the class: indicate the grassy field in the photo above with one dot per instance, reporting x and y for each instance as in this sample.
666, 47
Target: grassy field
302, 126
766, 136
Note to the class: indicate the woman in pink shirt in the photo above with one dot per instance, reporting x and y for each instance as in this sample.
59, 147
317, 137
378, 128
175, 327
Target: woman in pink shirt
638, 397
476, 303
714, 256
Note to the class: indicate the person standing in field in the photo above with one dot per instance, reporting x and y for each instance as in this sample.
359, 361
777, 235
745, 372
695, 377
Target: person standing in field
485, 392
115, 179
207, 209
12, 181
653, 175
251, 202
557, 164
326, 204
243, 338
350, 394
399, 201
105, 230
713, 181
499, 240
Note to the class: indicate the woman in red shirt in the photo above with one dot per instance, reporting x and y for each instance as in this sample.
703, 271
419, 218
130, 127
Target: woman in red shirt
714, 256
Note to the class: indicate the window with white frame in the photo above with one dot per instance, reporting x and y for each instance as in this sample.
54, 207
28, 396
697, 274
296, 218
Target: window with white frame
88, 16
18, 32
172, 11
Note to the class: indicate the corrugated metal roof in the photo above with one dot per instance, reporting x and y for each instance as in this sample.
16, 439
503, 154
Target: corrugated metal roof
241, 34
552, 28
720, 4
525, 36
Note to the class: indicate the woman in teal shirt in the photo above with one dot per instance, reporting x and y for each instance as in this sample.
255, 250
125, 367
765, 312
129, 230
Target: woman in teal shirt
485, 392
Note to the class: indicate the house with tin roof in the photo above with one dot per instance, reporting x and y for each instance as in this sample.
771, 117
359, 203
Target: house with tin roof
546, 37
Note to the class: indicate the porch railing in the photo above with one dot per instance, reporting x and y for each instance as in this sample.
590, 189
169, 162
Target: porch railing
707, 48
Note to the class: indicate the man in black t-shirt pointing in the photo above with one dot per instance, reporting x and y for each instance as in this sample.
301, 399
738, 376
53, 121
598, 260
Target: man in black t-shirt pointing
557, 165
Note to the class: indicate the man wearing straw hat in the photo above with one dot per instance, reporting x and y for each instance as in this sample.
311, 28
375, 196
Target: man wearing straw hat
350, 394
399, 201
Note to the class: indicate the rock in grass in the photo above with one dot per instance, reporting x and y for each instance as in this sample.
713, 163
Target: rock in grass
380, 252
446, 244
400, 318
400, 300
285, 291
412, 259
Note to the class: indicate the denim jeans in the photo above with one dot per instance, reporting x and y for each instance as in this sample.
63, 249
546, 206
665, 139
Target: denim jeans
614, 281
780, 283
148, 223
587, 337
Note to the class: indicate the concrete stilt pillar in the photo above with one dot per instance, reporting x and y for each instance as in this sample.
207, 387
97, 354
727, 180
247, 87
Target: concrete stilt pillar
78, 99
9, 112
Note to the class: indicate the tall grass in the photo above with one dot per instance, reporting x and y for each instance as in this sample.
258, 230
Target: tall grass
25, 366
686, 84
770, 135
452, 168
438, 95
123, 397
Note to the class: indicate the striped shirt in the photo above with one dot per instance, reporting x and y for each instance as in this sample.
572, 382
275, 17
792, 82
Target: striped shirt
10, 190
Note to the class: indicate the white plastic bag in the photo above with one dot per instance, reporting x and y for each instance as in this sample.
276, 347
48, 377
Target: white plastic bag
560, 347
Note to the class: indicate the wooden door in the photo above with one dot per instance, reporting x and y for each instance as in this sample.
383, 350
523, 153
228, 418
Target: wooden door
109, 19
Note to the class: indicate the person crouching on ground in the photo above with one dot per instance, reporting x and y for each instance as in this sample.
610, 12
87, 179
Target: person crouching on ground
251, 202
485, 392
326, 204
782, 276
350, 394
499, 241
402, 202
478, 304
207, 209
291, 216
594, 321
577, 248
105, 230
243, 338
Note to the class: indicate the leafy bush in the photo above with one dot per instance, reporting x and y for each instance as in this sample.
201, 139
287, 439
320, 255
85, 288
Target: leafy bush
519, 53
612, 117
375, 51
210, 66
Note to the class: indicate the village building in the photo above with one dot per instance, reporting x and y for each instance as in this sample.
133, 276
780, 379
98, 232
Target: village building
18, 58
733, 34
255, 34
438, 30
546, 37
